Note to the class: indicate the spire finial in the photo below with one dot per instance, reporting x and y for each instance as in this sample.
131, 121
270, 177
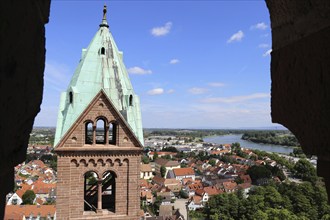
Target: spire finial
105, 12
104, 20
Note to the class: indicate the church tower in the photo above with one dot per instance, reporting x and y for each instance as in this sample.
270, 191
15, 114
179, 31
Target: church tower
99, 137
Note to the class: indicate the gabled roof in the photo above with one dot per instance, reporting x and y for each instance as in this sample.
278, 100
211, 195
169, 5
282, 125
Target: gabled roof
166, 163
145, 168
121, 121
184, 171
212, 190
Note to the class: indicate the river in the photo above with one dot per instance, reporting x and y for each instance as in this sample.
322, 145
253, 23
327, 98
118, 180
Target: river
232, 138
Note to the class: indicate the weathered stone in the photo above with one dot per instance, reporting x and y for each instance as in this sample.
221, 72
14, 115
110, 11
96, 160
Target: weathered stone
300, 72
22, 61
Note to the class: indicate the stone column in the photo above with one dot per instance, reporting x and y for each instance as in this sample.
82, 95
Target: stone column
99, 194
106, 134
94, 134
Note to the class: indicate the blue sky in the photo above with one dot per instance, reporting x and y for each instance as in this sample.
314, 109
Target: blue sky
194, 64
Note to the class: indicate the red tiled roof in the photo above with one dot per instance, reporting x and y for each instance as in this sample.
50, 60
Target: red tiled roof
183, 171
246, 178
18, 211
211, 190
244, 185
195, 186
229, 185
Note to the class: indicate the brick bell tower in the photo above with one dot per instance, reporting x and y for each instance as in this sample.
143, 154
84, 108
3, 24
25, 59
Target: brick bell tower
99, 137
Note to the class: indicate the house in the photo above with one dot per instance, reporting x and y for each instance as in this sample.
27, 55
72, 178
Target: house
195, 203
181, 173
147, 195
219, 152
173, 184
191, 188
14, 199
158, 180
30, 212
146, 171
212, 190
166, 210
160, 154
203, 194
271, 163
260, 162
229, 186
168, 164
245, 187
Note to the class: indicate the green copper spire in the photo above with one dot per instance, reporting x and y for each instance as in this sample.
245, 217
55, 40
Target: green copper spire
101, 67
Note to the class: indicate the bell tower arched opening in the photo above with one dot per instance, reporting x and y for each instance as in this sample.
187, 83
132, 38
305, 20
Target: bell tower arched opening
109, 191
90, 191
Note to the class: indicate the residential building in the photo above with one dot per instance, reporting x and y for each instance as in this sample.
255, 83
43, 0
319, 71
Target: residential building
146, 171
181, 173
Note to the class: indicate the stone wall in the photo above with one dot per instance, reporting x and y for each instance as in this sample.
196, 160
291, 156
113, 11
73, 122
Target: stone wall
300, 73
22, 61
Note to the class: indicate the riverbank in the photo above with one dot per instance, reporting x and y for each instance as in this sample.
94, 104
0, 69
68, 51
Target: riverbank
232, 138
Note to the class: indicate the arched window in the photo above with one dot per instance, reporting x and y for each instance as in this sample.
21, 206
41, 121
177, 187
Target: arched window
109, 191
89, 133
102, 51
70, 97
100, 131
130, 100
90, 191
112, 133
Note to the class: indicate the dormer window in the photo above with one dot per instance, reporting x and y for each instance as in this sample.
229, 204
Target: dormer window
102, 51
130, 100
70, 97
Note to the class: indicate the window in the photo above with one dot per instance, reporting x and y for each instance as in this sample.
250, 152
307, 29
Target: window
89, 133
112, 133
102, 51
70, 97
130, 100
90, 191
109, 191
100, 131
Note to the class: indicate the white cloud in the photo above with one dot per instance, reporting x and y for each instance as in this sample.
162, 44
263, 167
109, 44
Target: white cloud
174, 61
234, 99
216, 84
138, 71
236, 37
197, 91
267, 53
157, 91
56, 76
170, 91
259, 26
161, 31
263, 45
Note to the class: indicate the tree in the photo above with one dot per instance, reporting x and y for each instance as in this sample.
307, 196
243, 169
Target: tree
259, 172
305, 170
162, 171
155, 156
183, 194
28, 197
145, 160
212, 163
